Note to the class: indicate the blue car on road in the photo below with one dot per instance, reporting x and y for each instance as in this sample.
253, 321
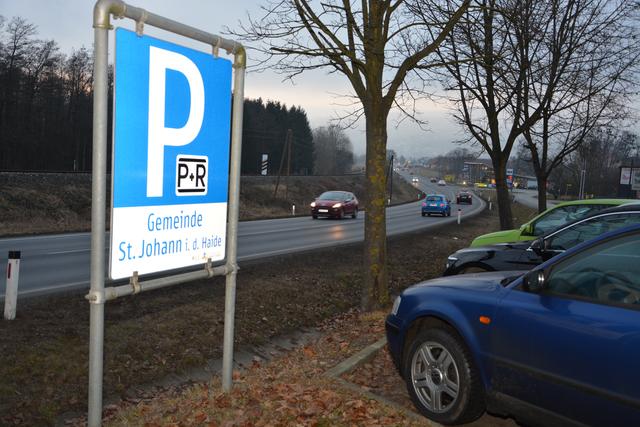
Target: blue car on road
558, 345
436, 204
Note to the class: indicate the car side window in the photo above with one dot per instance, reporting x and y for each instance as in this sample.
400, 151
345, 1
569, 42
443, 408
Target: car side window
550, 221
590, 229
608, 273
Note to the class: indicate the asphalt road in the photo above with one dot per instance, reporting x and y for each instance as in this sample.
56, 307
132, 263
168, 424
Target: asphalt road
529, 198
54, 263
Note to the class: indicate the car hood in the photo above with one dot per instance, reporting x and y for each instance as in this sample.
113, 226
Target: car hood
328, 202
475, 281
496, 237
520, 246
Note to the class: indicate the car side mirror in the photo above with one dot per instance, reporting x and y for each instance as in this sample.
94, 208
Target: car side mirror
527, 229
534, 281
448, 201
537, 246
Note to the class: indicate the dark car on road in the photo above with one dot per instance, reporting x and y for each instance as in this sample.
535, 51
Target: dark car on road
558, 345
464, 197
335, 204
436, 204
526, 255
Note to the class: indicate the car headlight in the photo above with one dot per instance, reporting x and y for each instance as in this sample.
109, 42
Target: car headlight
337, 205
451, 260
313, 204
396, 306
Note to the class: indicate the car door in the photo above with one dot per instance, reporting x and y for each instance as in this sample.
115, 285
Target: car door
349, 203
574, 348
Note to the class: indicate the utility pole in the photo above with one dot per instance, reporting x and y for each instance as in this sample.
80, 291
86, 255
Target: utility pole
285, 149
290, 140
583, 178
390, 178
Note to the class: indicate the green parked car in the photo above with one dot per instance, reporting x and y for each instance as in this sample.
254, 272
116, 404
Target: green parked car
548, 220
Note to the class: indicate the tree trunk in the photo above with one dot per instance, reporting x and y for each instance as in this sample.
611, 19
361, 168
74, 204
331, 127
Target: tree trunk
375, 290
503, 195
542, 193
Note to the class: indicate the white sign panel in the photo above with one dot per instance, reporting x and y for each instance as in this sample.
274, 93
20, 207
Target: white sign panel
171, 156
625, 176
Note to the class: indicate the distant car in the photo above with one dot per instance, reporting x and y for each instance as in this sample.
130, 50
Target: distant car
558, 345
548, 220
442, 182
433, 180
436, 204
335, 204
464, 197
526, 255
415, 180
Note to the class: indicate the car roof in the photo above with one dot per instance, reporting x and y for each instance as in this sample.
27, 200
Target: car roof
614, 202
438, 195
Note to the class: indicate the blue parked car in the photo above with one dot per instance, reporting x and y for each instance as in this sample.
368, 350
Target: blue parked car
436, 204
558, 345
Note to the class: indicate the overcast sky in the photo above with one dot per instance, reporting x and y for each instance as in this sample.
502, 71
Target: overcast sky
69, 23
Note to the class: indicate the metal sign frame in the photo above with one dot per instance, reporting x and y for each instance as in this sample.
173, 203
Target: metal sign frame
98, 294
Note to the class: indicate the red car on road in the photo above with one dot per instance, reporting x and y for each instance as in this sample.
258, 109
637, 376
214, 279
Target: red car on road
335, 204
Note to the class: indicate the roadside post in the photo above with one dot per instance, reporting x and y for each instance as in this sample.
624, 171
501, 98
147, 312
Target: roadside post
459, 215
176, 175
11, 291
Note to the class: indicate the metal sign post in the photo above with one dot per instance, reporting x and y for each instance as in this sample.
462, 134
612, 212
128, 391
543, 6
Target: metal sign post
191, 174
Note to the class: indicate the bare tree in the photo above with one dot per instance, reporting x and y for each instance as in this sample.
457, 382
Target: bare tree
484, 77
602, 153
333, 151
375, 44
78, 70
18, 42
579, 76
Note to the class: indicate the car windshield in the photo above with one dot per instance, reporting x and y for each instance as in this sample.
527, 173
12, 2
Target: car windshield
333, 195
434, 199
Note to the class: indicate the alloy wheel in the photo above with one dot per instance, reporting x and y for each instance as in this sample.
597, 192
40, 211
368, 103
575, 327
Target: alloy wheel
435, 377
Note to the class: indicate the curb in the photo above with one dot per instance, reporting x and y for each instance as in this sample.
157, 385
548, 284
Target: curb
363, 356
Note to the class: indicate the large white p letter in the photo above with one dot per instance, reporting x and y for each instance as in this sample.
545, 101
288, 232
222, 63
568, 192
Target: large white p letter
159, 136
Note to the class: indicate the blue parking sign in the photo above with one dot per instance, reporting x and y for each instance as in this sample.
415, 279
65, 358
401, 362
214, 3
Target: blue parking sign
171, 156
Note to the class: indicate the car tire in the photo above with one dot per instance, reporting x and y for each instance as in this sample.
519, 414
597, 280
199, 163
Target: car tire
449, 212
314, 216
354, 215
428, 214
442, 379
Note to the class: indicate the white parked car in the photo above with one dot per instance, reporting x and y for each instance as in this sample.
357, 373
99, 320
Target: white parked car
415, 180
442, 182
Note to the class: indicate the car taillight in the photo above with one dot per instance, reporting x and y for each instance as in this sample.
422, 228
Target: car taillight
424, 204
442, 205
